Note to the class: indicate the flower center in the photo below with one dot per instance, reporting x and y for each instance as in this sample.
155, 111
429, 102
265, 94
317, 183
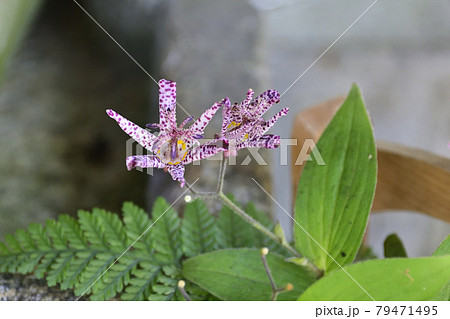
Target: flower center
173, 151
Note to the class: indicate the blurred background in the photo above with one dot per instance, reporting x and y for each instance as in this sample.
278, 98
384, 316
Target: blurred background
59, 71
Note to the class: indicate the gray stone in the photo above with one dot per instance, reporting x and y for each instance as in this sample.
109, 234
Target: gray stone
20, 287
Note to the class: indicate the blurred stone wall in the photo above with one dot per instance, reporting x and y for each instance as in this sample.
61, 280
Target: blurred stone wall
59, 152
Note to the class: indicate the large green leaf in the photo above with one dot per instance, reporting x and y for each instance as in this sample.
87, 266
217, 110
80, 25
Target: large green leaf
385, 279
238, 274
333, 201
444, 248
393, 247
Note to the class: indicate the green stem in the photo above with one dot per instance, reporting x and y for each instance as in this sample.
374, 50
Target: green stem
238, 211
223, 166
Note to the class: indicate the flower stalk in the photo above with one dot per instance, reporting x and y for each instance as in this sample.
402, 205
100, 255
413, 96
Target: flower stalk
240, 212
257, 225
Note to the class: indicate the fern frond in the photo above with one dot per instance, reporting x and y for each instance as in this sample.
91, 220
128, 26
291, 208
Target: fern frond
138, 258
165, 289
198, 229
144, 276
114, 280
77, 253
72, 231
165, 233
137, 224
92, 274
233, 231
76, 268
112, 229
92, 231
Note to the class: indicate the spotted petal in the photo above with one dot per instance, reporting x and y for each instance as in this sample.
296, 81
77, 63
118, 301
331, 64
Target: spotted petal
265, 141
204, 151
144, 161
167, 104
199, 125
264, 101
140, 135
226, 115
261, 129
246, 103
177, 173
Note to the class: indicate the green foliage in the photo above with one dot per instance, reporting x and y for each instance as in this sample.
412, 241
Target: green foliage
333, 201
444, 248
384, 279
393, 247
199, 229
234, 232
365, 253
238, 274
142, 258
165, 234
92, 256
15, 18
138, 258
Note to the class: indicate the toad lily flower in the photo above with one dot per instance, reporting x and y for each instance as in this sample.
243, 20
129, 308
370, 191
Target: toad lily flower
243, 126
175, 146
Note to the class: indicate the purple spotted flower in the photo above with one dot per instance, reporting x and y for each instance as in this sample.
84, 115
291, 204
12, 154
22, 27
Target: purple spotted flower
175, 146
243, 125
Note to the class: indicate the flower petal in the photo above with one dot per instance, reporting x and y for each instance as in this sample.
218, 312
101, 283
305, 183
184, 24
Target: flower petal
177, 173
265, 141
264, 101
248, 100
204, 151
167, 104
140, 135
144, 161
226, 115
199, 125
261, 129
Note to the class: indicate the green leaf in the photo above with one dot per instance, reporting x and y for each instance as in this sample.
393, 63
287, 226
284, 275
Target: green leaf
165, 234
114, 280
393, 247
235, 232
333, 201
141, 282
231, 229
279, 232
93, 272
92, 230
198, 230
384, 279
365, 253
444, 248
444, 294
239, 274
259, 240
72, 232
112, 229
137, 225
